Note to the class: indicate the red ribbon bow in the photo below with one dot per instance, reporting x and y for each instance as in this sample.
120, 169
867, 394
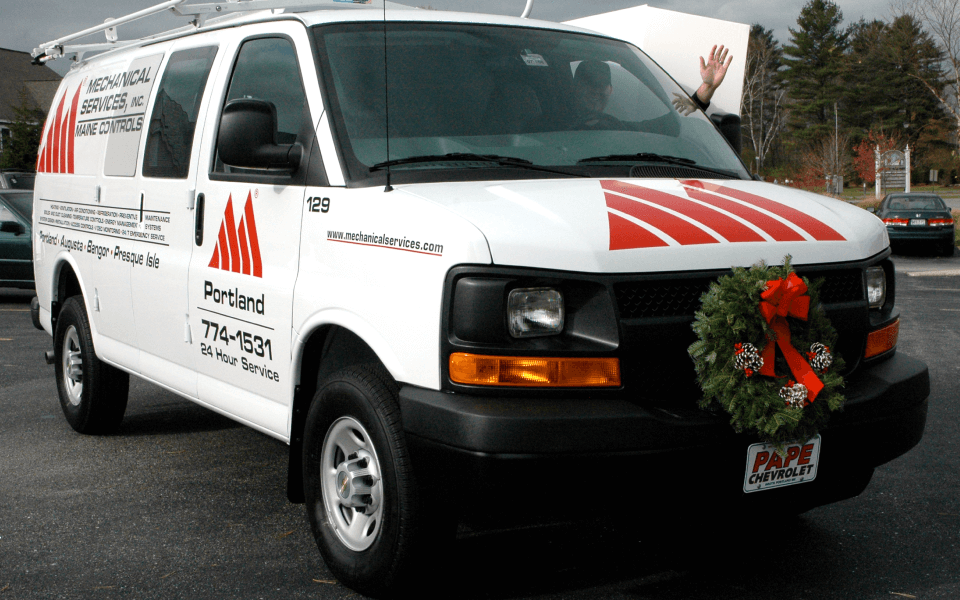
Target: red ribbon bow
783, 298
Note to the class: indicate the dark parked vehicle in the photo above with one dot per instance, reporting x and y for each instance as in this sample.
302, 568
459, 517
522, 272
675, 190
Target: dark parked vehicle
17, 180
918, 217
16, 263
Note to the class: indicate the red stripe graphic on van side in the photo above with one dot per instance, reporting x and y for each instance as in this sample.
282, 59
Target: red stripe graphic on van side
244, 248
72, 128
731, 229
48, 144
231, 228
682, 231
817, 229
221, 254
44, 149
57, 134
238, 248
625, 235
254, 240
772, 227
48, 158
64, 141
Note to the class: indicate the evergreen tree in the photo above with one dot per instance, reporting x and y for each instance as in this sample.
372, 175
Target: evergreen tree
20, 149
885, 70
866, 102
814, 63
913, 59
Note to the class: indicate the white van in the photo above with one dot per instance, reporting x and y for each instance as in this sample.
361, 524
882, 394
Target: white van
388, 238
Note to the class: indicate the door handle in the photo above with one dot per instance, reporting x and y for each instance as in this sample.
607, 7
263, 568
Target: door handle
198, 222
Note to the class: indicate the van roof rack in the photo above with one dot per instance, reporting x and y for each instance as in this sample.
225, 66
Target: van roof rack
197, 13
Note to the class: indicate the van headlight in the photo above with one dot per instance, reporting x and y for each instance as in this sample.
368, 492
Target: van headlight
876, 286
533, 312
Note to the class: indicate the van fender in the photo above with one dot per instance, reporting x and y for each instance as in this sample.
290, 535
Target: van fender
353, 323
46, 313
305, 349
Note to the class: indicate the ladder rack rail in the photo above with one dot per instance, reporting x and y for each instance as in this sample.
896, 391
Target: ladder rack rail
109, 23
54, 49
199, 13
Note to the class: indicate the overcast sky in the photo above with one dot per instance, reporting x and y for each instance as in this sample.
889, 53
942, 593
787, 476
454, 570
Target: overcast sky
24, 24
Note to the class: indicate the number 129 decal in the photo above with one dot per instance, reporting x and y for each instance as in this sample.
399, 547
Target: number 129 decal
318, 204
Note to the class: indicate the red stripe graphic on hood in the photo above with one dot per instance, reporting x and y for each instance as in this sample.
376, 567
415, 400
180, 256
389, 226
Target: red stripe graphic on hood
772, 227
731, 229
817, 229
625, 235
684, 232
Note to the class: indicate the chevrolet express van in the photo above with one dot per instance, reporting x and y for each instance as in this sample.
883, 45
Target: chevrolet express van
392, 240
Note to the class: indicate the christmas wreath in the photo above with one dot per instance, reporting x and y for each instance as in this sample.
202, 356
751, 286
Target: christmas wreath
764, 354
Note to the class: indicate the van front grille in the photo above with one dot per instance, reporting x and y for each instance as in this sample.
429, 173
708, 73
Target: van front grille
681, 297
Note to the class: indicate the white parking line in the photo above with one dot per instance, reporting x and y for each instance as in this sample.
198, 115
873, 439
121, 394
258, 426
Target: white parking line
945, 273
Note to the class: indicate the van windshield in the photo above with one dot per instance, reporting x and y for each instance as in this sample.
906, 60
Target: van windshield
466, 101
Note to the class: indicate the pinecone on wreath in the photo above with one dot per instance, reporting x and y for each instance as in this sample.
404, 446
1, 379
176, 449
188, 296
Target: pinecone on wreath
794, 394
819, 357
747, 358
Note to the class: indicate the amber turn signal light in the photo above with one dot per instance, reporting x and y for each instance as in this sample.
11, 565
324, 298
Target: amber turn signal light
882, 340
527, 371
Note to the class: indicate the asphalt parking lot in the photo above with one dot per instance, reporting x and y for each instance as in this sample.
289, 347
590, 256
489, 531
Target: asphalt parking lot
183, 503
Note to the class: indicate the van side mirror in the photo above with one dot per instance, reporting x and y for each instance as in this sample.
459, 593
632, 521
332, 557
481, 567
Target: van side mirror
12, 227
729, 126
248, 137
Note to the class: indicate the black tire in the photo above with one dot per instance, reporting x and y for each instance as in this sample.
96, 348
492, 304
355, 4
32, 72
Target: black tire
355, 417
93, 394
947, 248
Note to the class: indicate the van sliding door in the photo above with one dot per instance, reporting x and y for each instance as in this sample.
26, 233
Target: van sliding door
167, 182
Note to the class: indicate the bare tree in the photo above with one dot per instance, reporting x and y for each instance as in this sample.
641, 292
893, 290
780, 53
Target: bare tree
762, 103
827, 156
941, 18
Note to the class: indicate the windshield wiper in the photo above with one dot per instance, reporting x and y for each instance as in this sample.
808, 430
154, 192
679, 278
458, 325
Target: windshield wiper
641, 156
655, 158
502, 161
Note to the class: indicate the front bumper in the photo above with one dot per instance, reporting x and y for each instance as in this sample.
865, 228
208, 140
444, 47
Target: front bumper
500, 443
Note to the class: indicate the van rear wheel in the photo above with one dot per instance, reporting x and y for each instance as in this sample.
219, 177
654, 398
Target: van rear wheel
93, 394
358, 483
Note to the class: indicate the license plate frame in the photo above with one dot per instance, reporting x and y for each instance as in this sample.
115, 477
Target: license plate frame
766, 470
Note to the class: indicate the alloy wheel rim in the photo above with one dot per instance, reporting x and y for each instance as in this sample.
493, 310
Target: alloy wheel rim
351, 485
72, 366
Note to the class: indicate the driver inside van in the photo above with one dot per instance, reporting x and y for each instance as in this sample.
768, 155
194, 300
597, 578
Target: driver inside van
592, 88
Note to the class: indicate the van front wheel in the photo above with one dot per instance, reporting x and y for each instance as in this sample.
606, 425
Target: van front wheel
358, 483
93, 394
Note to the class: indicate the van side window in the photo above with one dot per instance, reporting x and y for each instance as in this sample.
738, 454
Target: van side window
267, 69
170, 137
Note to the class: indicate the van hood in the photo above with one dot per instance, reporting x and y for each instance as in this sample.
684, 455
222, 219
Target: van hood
645, 225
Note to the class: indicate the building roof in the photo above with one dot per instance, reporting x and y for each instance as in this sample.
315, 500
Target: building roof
17, 73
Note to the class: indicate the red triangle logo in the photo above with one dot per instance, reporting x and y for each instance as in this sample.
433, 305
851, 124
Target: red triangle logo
238, 248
